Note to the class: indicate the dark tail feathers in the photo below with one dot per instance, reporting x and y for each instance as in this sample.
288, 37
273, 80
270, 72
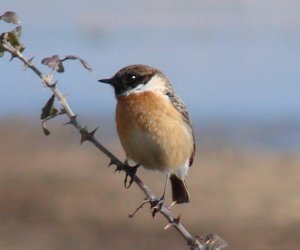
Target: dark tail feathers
179, 190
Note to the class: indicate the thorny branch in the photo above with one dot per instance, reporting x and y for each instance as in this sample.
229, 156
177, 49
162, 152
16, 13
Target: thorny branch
9, 43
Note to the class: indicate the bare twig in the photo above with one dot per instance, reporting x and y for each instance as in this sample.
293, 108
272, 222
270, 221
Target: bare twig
211, 242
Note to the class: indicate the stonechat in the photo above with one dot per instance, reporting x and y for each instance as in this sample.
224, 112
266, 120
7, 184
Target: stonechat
153, 125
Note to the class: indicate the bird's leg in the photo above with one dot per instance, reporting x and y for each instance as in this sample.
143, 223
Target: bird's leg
130, 171
156, 205
162, 198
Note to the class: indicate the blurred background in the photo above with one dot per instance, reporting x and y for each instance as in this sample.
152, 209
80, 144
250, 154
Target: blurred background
234, 63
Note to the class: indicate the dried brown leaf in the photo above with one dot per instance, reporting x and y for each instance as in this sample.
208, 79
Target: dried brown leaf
54, 62
10, 17
48, 109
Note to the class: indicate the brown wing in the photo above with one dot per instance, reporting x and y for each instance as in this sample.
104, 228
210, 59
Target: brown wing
179, 105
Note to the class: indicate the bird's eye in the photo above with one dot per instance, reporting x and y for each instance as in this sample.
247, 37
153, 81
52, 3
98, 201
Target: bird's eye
131, 77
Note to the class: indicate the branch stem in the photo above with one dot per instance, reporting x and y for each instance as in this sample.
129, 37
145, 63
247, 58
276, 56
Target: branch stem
47, 80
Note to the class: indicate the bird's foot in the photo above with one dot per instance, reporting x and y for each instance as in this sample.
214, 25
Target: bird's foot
130, 172
156, 205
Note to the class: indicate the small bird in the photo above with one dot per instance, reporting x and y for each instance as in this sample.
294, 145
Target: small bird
153, 125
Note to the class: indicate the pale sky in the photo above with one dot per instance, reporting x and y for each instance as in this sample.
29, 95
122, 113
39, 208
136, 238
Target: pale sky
231, 59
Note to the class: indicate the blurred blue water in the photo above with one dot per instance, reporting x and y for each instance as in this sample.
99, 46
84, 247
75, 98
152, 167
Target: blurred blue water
228, 60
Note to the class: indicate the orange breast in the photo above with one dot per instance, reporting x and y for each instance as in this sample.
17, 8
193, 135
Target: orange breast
152, 132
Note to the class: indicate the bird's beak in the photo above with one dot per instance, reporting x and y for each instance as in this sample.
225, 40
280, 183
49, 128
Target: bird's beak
110, 81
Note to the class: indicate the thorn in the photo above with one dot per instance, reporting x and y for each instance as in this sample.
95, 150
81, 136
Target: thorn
177, 220
173, 223
48, 78
170, 224
12, 57
31, 59
72, 118
82, 140
27, 65
92, 133
112, 162
118, 167
172, 204
84, 135
54, 84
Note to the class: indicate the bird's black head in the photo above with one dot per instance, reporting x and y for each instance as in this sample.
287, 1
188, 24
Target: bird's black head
130, 78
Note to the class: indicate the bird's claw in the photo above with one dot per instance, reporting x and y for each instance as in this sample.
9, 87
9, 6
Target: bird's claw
156, 205
130, 172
